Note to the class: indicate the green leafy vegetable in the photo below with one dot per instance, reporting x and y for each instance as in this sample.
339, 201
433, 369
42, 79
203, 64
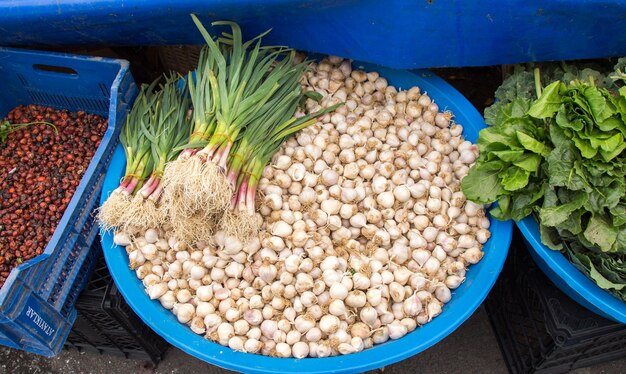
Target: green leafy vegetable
549, 102
559, 152
7, 128
483, 185
532, 144
607, 271
553, 216
601, 233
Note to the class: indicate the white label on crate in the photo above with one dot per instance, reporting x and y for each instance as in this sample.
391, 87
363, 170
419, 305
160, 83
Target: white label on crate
39, 321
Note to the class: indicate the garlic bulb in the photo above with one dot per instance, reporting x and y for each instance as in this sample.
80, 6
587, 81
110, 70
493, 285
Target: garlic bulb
364, 230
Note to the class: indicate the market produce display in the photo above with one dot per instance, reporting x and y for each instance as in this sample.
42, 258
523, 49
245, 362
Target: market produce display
155, 130
359, 232
244, 98
43, 155
556, 150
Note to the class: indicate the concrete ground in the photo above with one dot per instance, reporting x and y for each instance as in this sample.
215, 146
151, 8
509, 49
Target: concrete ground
472, 348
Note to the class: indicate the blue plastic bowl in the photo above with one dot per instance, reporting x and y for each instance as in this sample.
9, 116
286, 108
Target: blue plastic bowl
568, 278
465, 300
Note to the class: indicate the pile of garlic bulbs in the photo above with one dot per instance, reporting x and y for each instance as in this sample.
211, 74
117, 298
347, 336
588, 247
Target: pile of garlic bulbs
365, 230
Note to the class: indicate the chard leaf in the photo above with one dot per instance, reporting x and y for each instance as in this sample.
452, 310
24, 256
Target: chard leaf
509, 155
605, 197
482, 183
612, 123
550, 197
600, 232
532, 144
590, 75
549, 102
558, 136
502, 112
550, 237
494, 147
611, 266
529, 162
495, 134
584, 145
620, 104
519, 107
573, 223
523, 202
618, 213
579, 100
608, 156
620, 245
491, 114
502, 211
564, 119
603, 171
556, 215
612, 143
521, 84
595, 275
597, 103
602, 179
562, 169
605, 141
514, 178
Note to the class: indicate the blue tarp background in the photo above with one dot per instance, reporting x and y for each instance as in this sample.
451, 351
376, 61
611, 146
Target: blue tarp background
396, 33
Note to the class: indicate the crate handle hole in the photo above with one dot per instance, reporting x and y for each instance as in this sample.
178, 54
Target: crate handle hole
55, 69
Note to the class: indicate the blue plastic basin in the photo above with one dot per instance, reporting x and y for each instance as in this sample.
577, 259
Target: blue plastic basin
568, 278
465, 300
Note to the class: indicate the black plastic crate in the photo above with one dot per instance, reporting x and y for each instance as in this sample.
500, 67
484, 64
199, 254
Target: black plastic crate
539, 328
105, 323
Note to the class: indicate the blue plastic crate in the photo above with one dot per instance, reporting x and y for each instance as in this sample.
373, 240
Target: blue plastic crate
37, 300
